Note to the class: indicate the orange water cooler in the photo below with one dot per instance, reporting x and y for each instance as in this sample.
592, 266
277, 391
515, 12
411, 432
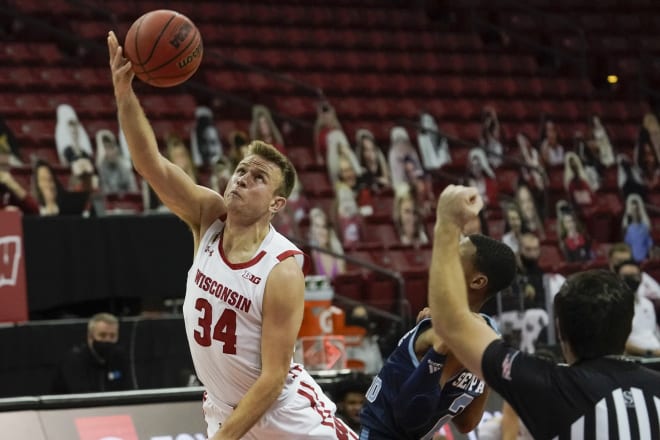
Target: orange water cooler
320, 344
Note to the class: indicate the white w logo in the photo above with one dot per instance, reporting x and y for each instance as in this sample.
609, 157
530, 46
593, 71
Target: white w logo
10, 257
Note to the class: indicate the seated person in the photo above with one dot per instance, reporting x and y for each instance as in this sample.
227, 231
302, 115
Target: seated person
349, 219
349, 398
637, 228
205, 144
620, 252
644, 339
401, 150
12, 194
47, 188
97, 365
481, 176
432, 144
576, 183
491, 137
115, 171
408, 220
263, 128
323, 235
375, 170
551, 150
573, 241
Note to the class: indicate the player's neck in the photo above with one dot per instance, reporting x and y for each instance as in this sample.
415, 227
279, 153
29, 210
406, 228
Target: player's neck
243, 239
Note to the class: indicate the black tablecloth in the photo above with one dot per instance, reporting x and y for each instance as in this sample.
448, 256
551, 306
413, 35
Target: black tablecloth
72, 259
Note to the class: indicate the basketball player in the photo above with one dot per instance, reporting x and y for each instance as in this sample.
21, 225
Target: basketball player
600, 395
418, 390
245, 289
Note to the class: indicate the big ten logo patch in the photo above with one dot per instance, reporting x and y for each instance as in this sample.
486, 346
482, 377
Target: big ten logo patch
119, 427
252, 277
10, 257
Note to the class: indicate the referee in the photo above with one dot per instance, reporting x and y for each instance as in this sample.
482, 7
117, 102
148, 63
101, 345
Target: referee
599, 395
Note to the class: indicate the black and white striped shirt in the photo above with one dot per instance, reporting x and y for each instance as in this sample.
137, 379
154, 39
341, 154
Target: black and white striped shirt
598, 399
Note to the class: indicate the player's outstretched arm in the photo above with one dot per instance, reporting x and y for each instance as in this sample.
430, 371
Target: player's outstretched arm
283, 306
466, 334
195, 204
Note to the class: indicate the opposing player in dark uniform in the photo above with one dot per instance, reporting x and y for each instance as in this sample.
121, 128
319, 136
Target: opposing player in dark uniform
601, 395
421, 386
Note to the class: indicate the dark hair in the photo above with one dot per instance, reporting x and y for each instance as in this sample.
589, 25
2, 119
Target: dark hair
595, 310
41, 163
494, 259
270, 153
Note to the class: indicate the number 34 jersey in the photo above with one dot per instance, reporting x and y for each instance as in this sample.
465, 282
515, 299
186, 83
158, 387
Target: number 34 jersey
223, 313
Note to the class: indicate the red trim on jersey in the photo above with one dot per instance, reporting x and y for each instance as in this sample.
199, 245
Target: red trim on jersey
307, 262
236, 266
315, 407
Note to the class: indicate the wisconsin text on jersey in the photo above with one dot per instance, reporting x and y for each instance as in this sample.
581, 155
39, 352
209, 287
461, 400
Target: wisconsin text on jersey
224, 293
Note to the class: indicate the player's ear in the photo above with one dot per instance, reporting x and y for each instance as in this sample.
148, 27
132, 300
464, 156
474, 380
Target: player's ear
277, 204
478, 281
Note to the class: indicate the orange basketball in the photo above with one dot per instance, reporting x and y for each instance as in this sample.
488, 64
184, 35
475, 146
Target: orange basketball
164, 47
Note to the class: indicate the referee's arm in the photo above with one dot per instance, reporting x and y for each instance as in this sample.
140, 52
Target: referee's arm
466, 334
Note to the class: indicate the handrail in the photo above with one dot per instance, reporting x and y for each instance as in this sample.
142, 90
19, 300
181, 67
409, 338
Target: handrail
402, 301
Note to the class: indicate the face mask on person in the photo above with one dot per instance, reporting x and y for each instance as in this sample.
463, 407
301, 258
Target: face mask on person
632, 282
529, 263
104, 350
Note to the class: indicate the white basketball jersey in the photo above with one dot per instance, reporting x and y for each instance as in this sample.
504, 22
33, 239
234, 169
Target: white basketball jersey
223, 313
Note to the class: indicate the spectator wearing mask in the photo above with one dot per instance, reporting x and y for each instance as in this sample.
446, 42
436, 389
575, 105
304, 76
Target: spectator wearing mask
620, 252
97, 365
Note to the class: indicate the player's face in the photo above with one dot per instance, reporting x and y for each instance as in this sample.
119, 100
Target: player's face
352, 404
254, 184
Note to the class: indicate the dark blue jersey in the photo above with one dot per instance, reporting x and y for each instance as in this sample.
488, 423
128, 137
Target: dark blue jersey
405, 400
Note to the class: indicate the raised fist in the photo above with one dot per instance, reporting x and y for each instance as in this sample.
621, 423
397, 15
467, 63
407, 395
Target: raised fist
459, 205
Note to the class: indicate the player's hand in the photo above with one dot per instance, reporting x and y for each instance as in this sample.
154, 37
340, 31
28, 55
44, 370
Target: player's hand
423, 314
121, 68
458, 205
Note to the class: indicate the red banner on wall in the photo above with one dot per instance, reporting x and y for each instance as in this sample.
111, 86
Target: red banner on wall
13, 292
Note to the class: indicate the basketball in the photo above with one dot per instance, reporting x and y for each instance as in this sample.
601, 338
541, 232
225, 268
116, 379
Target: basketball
164, 48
